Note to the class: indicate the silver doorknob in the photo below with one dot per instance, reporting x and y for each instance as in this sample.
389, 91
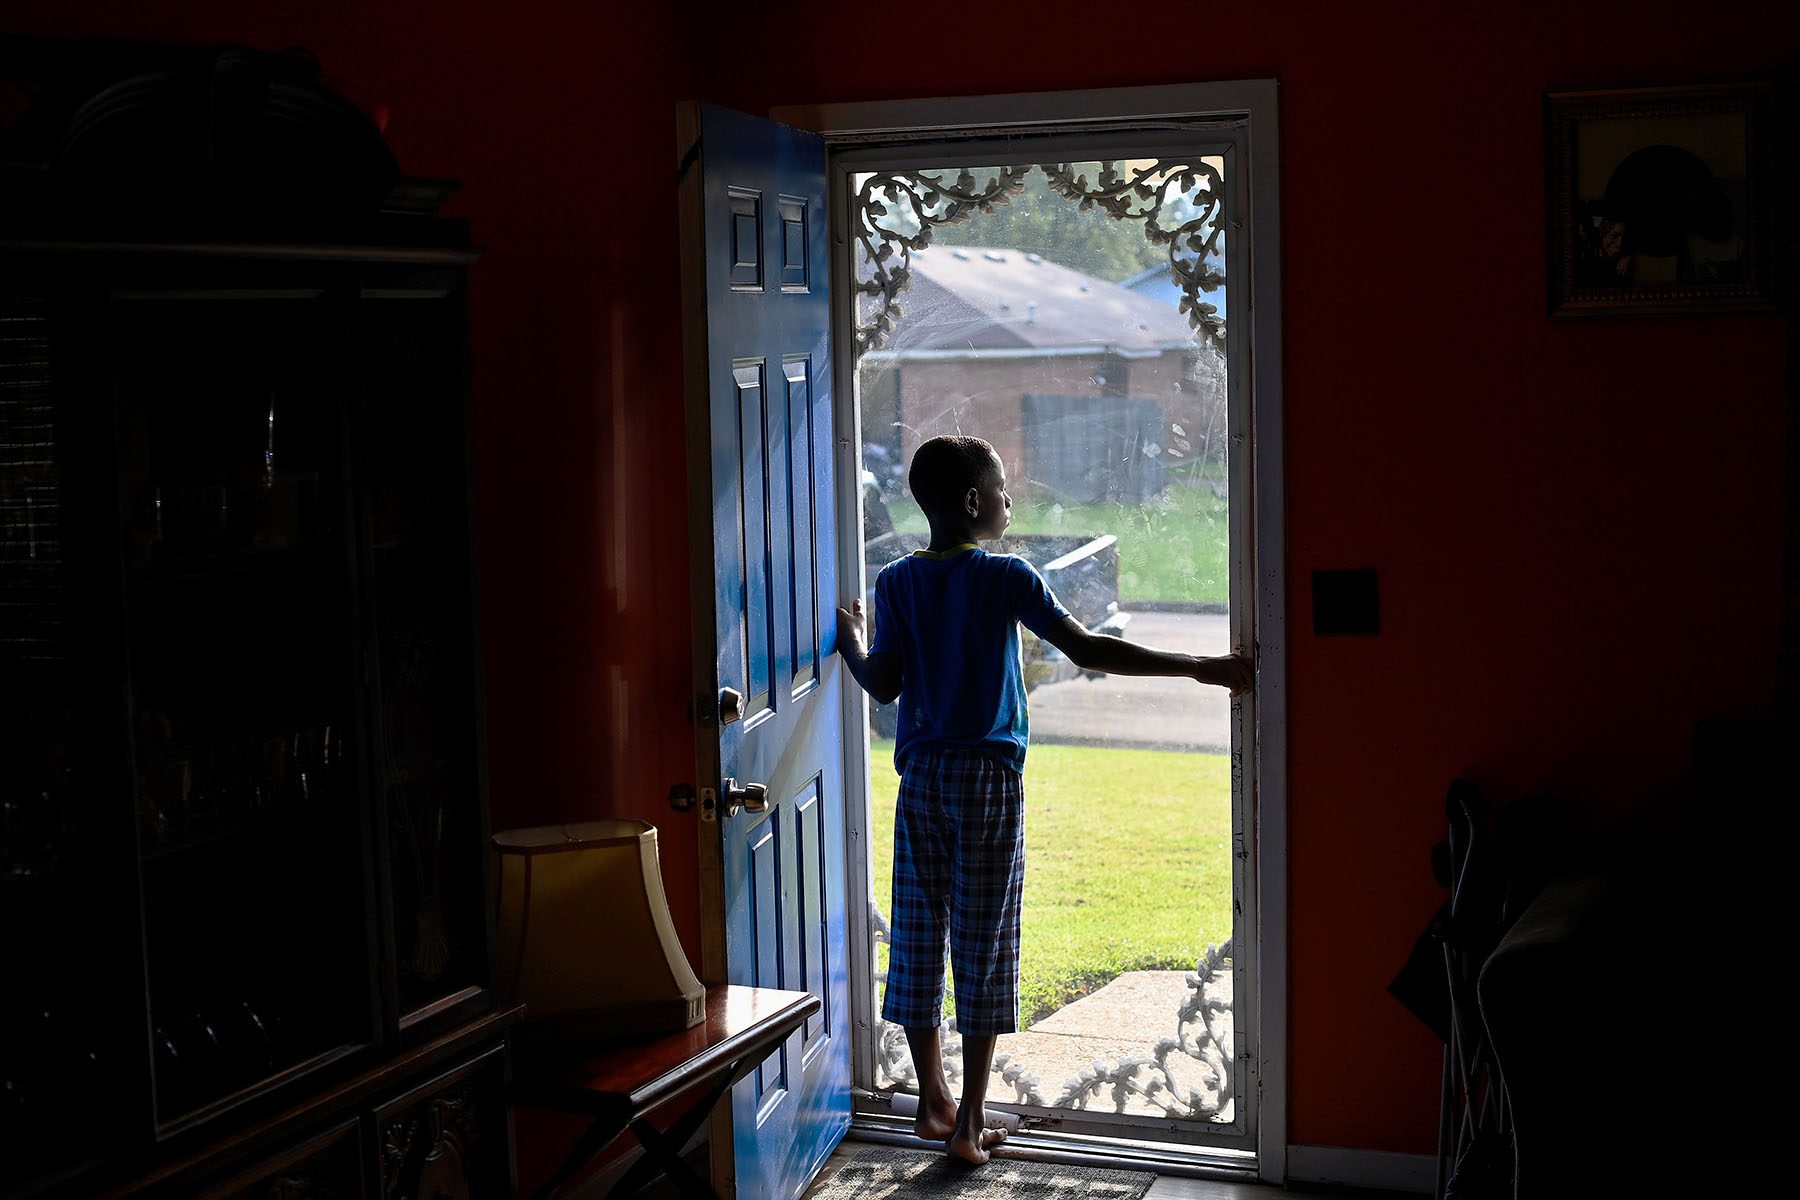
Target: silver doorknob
753, 797
731, 705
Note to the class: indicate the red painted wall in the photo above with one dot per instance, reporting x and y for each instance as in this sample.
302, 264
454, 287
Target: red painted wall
1577, 525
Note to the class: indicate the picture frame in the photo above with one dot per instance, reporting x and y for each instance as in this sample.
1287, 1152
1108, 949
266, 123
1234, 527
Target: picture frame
1661, 200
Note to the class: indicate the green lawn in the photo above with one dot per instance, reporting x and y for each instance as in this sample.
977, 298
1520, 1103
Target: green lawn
1171, 548
1128, 864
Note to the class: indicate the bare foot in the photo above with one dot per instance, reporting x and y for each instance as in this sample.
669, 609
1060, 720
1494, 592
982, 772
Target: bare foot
973, 1145
936, 1121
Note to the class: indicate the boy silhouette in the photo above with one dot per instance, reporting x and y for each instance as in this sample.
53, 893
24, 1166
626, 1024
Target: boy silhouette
947, 645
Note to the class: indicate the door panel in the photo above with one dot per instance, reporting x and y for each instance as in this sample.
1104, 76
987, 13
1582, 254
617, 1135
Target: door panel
753, 474
765, 578
803, 532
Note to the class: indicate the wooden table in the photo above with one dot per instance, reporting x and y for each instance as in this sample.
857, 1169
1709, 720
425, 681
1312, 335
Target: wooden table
620, 1085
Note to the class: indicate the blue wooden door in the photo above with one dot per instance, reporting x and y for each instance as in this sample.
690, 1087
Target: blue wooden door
768, 691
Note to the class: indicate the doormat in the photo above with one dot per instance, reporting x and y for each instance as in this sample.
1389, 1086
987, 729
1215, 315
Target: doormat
884, 1172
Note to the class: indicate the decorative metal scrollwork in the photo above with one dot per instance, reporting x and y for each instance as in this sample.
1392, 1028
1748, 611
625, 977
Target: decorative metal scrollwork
1189, 188
1180, 202
895, 214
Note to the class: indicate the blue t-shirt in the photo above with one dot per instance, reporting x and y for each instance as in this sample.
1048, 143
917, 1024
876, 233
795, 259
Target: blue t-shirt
953, 618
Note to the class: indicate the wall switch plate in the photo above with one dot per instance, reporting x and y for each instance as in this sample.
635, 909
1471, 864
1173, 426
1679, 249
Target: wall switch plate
1346, 603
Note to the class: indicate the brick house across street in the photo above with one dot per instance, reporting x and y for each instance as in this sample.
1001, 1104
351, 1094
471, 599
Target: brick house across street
1089, 390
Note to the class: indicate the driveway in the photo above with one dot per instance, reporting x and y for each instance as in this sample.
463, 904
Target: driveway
1160, 714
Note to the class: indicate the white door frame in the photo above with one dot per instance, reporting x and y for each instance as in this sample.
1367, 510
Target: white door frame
1249, 109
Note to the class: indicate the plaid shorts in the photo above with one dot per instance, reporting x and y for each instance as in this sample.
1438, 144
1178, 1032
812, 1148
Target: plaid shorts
959, 872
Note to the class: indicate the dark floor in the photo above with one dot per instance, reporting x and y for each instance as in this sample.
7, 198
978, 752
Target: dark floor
1166, 1187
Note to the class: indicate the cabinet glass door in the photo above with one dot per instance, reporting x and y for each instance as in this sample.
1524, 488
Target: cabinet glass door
420, 583
71, 1084
232, 503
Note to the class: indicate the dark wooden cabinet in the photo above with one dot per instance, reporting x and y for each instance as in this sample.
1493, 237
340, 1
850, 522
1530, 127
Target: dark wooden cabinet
326, 1167
447, 1137
243, 864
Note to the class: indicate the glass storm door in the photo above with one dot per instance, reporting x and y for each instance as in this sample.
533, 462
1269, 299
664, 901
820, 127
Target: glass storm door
1081, 300
768, 701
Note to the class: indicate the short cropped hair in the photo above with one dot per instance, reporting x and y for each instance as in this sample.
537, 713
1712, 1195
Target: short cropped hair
945, 468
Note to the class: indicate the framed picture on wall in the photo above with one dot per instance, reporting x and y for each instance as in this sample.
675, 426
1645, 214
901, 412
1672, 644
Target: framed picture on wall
1660, 200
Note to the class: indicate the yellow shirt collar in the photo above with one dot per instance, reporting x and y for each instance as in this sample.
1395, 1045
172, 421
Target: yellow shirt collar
952, 552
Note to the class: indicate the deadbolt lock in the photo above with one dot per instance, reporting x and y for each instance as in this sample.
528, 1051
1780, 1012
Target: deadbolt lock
731, 705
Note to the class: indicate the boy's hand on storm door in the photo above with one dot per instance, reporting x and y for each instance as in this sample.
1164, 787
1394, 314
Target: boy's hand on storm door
850, 625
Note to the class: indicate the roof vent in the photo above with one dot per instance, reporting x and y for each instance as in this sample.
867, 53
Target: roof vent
1034, 258
994, 256
1031, 313
1086, 288
962, 255
1006, 306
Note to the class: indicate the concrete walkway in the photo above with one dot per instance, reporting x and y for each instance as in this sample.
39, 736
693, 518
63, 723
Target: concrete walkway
1123, 1020
1146, 713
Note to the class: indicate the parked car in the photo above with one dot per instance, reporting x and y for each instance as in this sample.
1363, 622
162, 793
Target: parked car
1083, 571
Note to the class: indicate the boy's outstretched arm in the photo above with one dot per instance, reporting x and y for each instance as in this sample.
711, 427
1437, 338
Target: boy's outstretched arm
879, 674
1116, 656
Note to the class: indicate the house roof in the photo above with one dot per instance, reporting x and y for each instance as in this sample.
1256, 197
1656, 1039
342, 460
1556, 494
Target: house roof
1157, 283
972, 297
